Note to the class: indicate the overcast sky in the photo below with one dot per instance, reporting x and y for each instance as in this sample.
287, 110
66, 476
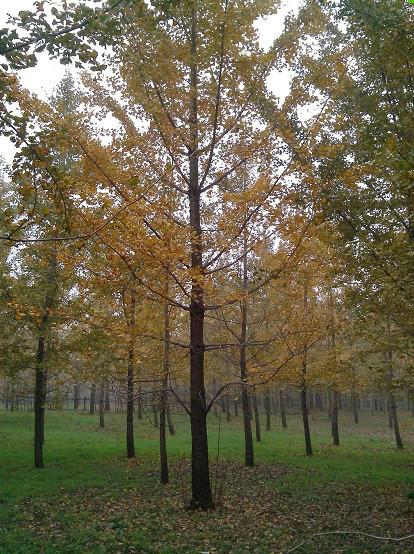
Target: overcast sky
42, 79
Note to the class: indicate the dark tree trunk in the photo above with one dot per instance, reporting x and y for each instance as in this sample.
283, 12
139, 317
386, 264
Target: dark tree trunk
228, 414
200, 472
335, 426
355, 407
170, 422
282, 409
164, 474
236, 408
39, 404
107, 398
392, 407
305, 419
92, 400
139, 403
76, 397
247, 414
41, 372
266, 403
102, 406
256, 416
130, 318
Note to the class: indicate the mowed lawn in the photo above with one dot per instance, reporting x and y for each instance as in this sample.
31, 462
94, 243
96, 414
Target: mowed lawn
91, 499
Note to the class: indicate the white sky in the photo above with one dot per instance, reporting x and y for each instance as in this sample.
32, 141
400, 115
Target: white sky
43, 78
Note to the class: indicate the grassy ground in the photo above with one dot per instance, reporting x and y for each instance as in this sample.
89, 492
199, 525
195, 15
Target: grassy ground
91, 499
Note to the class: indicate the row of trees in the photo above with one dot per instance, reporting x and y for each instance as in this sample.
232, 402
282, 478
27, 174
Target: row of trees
212, 227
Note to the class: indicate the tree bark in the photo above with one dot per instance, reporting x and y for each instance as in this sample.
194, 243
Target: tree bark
335, 425
305, 419
164, 474
92, 399
200, 472
102, 406
282, 408
256, 416
130, 318
41, 372
266, 403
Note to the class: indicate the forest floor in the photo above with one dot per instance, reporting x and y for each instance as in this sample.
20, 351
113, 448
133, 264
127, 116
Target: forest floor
90, 499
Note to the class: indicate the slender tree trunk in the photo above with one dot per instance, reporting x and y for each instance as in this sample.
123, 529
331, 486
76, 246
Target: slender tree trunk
102, 406
228, 414
305, 419
335, 425
200, 472
256, 416
266, 403
107, 397
236, 408
170, 422
92, 399
139, 403
391, 399
355, 407
164, 474
41, 372
247, 416
76, 397
130, 318
282, 408
39, 404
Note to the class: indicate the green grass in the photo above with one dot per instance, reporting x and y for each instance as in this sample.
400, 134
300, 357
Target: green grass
91, 499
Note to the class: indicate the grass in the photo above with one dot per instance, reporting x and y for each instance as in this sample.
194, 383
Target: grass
91, 499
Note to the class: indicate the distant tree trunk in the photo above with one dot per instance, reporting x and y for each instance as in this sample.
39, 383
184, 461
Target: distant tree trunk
266, 402
391, 399
92, 399
236, 408
40, 370
76, 396
164, 474
282, 408
335, 426
155, 406
305, 419
227, 400
355, 407
248, 439
102, 406
256, 416
139, 406
303, 390
107, 397
171, 428
129, 312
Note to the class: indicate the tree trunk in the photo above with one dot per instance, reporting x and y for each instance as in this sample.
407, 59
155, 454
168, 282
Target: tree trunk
39, 404
266, 403
236, 408
282, 409
41, 372
107, 398
355, 407
92, 399
200, 472
130, 318
102, 406
228, 414
76, 397
305, 419
256, 416
170, 422
164, 475
335, 426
